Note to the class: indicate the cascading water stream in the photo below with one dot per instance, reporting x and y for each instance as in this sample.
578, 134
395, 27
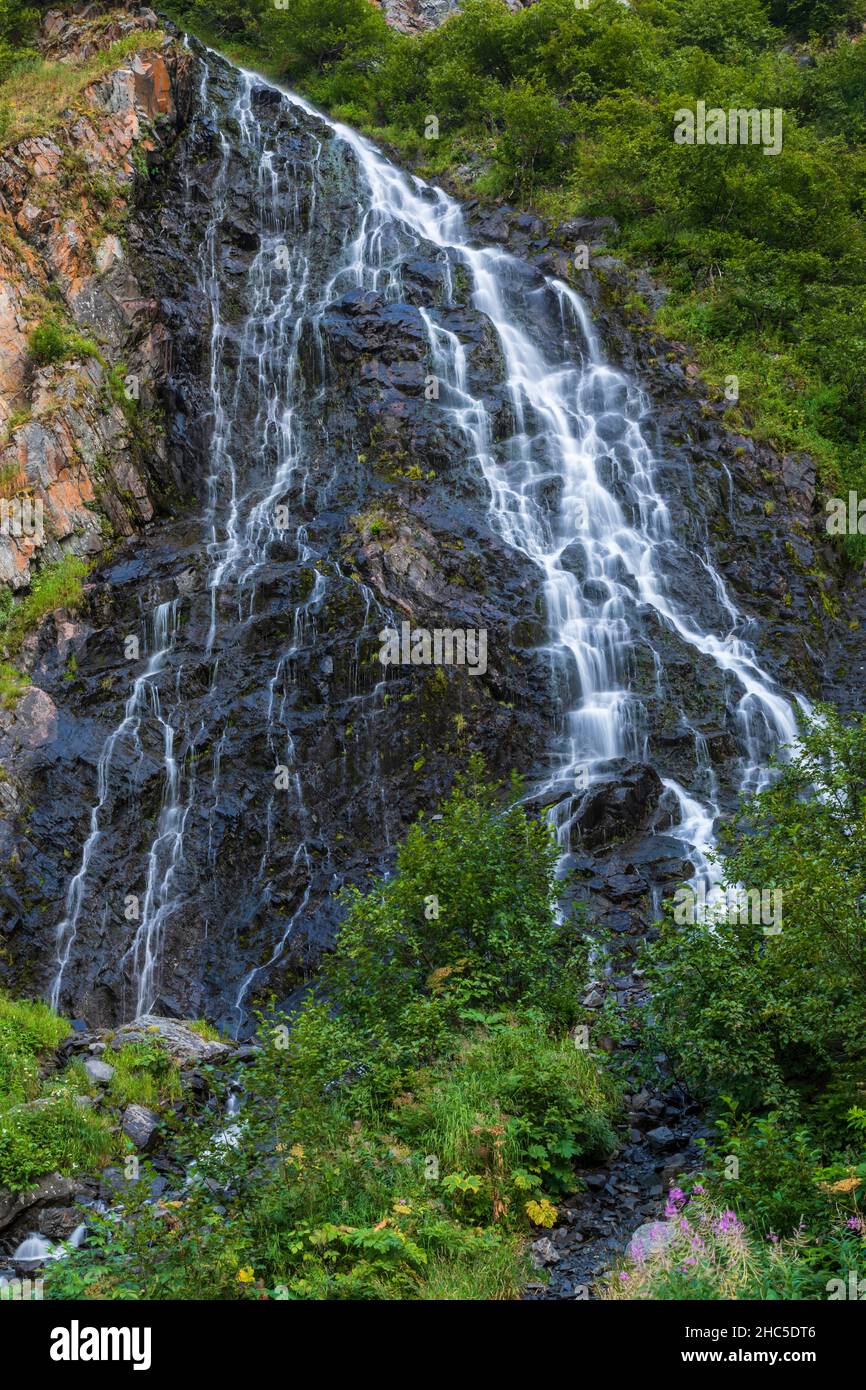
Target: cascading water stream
572, 485
143, 697
568, 408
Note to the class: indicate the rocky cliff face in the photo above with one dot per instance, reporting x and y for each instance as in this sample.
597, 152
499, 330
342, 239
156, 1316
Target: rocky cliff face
83, 436
208, 748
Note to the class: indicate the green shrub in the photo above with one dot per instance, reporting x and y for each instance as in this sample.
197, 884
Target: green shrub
12, 682
773, 1021
52, 341
55, 586
52, 1134
144, 1074
42, 1127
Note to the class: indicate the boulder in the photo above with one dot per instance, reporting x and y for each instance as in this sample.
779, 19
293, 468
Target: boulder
98, 1071
184, 1045
52, 1190
662, 1137
617, 806
141, 1126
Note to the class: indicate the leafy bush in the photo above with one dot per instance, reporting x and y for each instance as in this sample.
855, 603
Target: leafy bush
17, 30
51, 341
51, 1134
29, 1029
467, 922
144, 1074
779, 1021
42, 1128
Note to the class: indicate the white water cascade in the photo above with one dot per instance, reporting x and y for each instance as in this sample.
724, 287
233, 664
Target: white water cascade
576, 436
570, 409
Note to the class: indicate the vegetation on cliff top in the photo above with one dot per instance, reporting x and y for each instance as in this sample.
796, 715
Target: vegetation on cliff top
34, 92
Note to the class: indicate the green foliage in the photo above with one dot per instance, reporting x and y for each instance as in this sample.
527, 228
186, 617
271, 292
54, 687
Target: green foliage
51, 1134
398, 1134
42, 1127
466, 922
17, 31
55, 586
52, 341
533, 141
28, 1030
816, 16
144, 1074
12, 682
779, 1020
774, 1183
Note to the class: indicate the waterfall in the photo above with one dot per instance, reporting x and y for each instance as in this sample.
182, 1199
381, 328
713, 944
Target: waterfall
573, 486
569, 407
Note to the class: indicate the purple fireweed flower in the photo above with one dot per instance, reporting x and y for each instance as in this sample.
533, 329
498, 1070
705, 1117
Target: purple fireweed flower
728, 1222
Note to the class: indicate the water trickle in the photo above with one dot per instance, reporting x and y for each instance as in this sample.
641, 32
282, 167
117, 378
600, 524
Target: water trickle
33, 1251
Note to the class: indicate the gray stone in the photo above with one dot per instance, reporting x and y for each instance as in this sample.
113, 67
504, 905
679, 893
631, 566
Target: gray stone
179, 1041
141, 1126
544, 1252
662, 1137
98, 1071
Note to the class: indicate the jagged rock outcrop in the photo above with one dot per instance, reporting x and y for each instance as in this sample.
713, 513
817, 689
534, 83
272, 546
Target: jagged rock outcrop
80, 436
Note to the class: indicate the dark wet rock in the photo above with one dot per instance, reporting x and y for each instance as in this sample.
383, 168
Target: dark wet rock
142, 1126
662, 1137
51, 1191
113, 1184
617, 806
58, 1223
